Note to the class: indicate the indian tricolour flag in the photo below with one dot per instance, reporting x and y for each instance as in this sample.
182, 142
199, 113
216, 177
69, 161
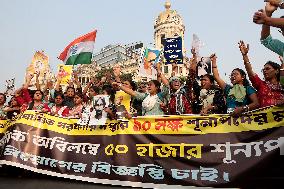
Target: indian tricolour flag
80, 50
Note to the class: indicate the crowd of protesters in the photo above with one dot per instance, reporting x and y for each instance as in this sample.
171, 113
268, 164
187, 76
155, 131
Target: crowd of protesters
164, 96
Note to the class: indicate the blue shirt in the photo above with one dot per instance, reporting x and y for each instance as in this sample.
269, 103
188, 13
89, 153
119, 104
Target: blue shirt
231, 100
274, 45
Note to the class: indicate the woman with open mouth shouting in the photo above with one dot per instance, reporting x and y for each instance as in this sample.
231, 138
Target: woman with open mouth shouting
269, 91
240, 97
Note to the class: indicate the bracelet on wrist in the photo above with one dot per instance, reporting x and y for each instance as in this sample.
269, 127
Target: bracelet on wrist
246, 108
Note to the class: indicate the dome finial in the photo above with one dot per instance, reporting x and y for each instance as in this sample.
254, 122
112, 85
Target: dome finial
168, 5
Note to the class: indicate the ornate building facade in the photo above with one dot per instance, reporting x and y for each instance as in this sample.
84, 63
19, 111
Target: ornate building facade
168, 24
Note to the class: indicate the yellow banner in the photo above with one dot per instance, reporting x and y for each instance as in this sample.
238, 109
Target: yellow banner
190, 124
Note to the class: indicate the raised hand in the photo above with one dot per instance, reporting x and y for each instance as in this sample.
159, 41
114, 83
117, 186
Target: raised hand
213, 58
127, 115
93, 80
193, 51
103, 79
49, 84
258, 17
270, 7
70, 83
75, 74
204, 111
275, 3
108, 110
243, 47
158, 67
237, 112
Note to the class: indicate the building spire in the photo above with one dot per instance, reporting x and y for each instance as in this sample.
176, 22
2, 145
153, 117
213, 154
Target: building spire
168, 5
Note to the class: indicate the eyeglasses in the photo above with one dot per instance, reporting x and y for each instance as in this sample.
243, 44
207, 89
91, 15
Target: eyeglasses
266, 69
233, 75
175, 80
153, 60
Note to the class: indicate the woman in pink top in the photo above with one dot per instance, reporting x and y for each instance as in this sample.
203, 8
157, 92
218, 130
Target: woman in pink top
269, 91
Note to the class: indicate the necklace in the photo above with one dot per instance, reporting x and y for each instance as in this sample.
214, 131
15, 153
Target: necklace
274, 87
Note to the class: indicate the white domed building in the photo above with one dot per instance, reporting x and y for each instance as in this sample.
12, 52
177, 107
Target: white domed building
169, 24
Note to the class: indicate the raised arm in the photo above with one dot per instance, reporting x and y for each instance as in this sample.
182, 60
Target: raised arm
216, 75
76, 80
244, 50
276, 3
37, 81
57, 86
164, 80
117, 73
28, 81
262, 17
125, 89
193, 62
174, 69
89, 84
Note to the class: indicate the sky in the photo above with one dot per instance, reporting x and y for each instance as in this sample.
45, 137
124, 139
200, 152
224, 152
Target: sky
31, 25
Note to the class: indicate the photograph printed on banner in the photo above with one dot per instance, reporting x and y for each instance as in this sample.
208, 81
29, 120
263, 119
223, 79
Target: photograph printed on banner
203, 67
39, 65
65, 72
148, 61
122, 102
95, 113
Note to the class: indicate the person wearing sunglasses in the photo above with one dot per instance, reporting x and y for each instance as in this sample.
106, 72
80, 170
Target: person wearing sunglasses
269, 91
240, 96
